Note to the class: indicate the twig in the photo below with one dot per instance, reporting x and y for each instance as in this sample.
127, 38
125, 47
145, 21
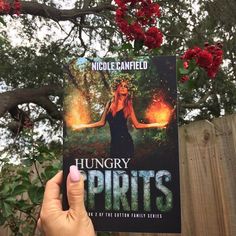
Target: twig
35, 166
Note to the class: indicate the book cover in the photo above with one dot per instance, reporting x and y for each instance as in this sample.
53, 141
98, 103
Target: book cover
121, 132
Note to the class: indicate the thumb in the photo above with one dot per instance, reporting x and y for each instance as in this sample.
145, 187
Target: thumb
75, 192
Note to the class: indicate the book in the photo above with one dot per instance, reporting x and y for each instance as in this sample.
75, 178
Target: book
121, 132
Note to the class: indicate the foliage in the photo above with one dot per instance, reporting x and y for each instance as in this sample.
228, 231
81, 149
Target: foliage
46, 65
22, 187
43, 44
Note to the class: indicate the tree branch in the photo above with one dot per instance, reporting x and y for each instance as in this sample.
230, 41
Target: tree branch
43, 117
199, 104
10, 99
50, 12
49, 106
37, 171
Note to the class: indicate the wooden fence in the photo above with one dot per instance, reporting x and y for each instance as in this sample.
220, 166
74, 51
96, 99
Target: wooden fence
208, 179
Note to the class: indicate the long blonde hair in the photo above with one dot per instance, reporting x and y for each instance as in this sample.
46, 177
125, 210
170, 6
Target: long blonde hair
127, 104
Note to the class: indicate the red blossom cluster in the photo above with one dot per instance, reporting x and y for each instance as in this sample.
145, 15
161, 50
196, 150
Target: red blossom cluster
17, 7
6, 7
210, 58
136, 19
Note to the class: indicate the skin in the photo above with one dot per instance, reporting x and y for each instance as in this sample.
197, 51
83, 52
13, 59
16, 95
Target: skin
122, 93
54, 221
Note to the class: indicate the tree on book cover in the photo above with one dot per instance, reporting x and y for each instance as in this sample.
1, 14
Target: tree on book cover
121, 132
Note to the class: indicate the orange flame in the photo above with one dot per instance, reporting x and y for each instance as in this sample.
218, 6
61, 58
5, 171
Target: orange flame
76, 109
159, 111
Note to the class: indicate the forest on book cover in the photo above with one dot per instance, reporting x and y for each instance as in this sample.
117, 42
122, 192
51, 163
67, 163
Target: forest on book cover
87, 93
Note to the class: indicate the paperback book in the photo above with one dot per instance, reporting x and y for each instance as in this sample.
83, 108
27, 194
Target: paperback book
120, 130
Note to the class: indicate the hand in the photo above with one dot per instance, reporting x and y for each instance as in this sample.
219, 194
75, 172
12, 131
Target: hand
79, 126
161, 125
53, 220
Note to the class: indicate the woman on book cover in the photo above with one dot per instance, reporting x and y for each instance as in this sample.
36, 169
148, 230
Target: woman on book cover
116, 113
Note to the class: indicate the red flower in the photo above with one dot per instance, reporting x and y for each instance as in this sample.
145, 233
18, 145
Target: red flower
120, 3
185, 64
137, 32
153, 38
1, 5
150, 42
140, 13
217, 60
136, 18
155, 9
184, 79
210, 58
124, 27
191, 53
7, 7
152, 21
17, 7
211, 73
218, 52
204, 59
210, 48
4, 6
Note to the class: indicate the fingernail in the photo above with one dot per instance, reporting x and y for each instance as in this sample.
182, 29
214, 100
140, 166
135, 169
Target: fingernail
74, 174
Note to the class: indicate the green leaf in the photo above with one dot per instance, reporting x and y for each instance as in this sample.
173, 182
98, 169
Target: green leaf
10, 200
36, 194
57, 166
23, 205
183, 71
138, 44
2, 21
192, 65
156, 51
4, 159
19, 189
127, 46
41, 158
115, 48
191, 85
27, 162
42, 149
6, 209
2, 219
50, 171
24, 173
5, 189
26, 183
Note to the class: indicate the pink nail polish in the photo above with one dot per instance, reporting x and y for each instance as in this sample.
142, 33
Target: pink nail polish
74, 174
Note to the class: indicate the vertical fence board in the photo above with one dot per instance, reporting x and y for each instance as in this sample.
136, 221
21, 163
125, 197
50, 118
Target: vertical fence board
226, 150
188, 226
5, 231
200, 145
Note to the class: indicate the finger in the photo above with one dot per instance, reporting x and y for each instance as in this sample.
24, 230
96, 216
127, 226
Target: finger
52, 189
39, 225
75, 192
52, 200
